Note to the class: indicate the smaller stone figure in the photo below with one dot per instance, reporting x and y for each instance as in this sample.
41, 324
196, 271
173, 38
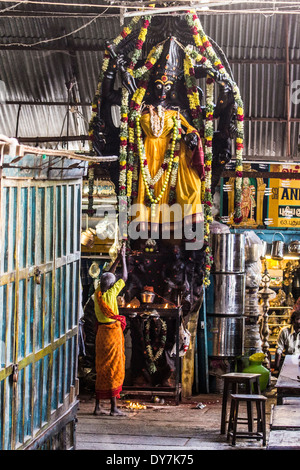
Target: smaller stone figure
248, 200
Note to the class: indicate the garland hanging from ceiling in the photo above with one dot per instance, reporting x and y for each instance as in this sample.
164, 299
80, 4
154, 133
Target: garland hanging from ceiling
131, 153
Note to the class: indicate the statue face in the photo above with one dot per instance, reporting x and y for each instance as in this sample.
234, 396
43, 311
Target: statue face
163, 88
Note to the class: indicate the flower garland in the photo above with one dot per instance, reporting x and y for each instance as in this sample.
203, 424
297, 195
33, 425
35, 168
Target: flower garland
212, 62
139, 43
208, 135
207, 201
175, 166
206, 48
157, 120
97, 98
239, 162
149, 350
128, 169
192, 92
127, 30
150, 61
168, 165
132, 111
127, 134
123, 142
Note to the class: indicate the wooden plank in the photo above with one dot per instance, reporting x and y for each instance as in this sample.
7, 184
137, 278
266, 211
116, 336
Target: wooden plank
284, 440
291, 401
288, 383
288, 376
285, 417
188, 362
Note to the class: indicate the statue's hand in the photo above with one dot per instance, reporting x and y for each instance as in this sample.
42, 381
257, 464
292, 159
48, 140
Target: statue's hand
221, 147
225, 82
233, 130
121, 62
191, 140
127, 80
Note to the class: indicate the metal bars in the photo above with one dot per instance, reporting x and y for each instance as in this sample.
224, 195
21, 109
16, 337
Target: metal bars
39, 304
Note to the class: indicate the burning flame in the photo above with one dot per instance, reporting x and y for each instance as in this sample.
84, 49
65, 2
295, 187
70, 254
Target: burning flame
166, 306
136, 406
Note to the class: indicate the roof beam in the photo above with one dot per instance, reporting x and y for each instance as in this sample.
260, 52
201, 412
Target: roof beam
39, 140
47, 103
100, 47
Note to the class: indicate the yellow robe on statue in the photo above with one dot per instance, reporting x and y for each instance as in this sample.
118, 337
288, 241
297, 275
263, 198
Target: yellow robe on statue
188, 186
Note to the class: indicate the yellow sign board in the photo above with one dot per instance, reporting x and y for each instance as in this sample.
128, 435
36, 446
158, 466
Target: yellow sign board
284, 202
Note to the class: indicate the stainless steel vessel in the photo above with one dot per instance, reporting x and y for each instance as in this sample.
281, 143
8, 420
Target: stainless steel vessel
264, 248
294, 247
277, 247
225, 336
229, 252
253, 253
227, 295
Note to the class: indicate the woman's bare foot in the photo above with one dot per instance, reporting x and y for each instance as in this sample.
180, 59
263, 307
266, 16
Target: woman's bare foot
114, 410
100, 412
117, 412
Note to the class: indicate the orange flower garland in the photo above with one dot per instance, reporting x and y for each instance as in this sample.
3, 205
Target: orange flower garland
206, 49
97, 98
212, 62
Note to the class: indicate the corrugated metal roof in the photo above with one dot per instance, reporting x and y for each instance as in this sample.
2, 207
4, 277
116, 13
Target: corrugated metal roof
41, 75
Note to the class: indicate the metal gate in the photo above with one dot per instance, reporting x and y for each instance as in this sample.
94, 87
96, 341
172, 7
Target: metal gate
39, 301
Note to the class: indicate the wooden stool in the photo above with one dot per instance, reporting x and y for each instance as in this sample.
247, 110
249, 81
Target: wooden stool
261, 417
233, 379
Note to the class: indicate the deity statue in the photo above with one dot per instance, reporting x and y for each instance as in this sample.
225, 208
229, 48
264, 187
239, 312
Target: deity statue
171, 153
248, 202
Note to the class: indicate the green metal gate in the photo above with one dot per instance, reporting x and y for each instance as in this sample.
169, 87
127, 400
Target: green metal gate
39, 301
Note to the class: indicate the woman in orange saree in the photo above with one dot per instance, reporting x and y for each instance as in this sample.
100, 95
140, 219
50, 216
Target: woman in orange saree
110, 354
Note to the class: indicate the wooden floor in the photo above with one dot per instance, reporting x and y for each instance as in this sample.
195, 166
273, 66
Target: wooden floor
192, 425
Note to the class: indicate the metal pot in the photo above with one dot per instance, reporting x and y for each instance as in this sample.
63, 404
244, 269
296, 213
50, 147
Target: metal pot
277, 247
225, 336
147, 297
88, 237
228, 294
294, 247
229, 252
264, 247
252, 253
